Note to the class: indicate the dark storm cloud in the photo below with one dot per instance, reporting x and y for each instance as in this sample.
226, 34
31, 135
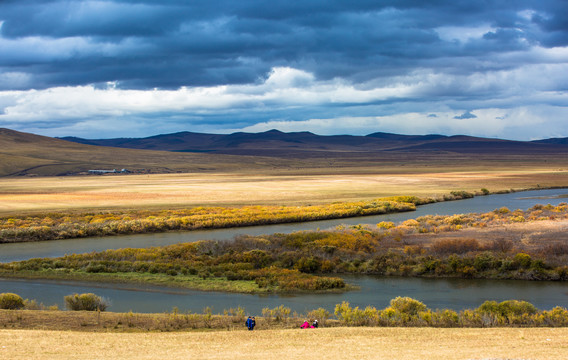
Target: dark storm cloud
168, 44
466, 115
79, 67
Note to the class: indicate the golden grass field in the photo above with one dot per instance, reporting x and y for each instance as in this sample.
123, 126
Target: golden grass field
84, 193
197, 179
326, 343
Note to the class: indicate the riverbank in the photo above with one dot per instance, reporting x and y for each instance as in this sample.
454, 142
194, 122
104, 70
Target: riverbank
70, 225
193, 282
402, 312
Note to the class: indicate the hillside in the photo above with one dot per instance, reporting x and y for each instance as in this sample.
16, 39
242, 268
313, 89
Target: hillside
306, 144
183, 152
29, 154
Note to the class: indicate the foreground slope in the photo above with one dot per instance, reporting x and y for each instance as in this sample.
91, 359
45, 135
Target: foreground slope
328, 343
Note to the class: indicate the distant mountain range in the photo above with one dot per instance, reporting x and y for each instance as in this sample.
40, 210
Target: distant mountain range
25, 154
281, 144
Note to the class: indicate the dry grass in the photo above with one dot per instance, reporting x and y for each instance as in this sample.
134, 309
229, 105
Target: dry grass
530, 236
25, 195
328, 343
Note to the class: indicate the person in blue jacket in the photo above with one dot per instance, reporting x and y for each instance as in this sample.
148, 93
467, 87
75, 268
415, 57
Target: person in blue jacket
250, 323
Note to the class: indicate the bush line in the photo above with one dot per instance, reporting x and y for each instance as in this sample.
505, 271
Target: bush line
54, 226
403, 311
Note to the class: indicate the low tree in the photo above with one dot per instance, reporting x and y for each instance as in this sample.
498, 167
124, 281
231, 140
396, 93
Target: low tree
11, 301
85, 302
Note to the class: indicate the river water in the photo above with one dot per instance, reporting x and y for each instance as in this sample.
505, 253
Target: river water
435, 293
454, 294
56, 248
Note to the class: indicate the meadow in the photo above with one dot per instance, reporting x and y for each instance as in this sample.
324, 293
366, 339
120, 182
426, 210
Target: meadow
308, 184
329, 343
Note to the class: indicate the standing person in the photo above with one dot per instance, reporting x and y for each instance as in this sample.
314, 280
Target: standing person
249, 324
253, 323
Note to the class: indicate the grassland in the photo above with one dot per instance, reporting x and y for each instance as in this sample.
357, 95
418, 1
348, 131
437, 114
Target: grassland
21, 196
181, 180
331, 343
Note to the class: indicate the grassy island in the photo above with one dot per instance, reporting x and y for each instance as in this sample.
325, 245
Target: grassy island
501, 244
65, 225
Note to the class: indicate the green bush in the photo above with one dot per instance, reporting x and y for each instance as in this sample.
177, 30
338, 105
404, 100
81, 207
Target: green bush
407, 305
85, 302
484, 261
171, 272
319, 314
96, 268
11, 301
524, 260
308, 265
355, 316
461, 194
279, 313
517, 307
507, 309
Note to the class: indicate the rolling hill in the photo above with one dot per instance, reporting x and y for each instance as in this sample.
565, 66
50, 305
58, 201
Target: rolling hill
29, 154
302, 144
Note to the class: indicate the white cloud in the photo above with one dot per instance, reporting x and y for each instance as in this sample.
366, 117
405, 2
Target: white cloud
285, 77
508, 124
284, 87
507, 103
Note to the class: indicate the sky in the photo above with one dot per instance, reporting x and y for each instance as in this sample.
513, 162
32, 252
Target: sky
125, 68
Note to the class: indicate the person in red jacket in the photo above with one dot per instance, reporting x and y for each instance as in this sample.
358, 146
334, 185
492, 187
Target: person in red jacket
305, 325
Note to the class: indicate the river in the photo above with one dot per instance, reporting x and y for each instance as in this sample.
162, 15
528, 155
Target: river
454, 294
56, 248
435, 293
